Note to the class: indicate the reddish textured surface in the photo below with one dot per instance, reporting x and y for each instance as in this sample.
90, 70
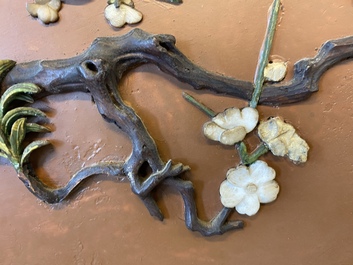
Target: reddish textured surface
310, 223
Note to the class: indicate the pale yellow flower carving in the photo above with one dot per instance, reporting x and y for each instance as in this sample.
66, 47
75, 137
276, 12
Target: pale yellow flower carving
45, 10
275, 71
282, 140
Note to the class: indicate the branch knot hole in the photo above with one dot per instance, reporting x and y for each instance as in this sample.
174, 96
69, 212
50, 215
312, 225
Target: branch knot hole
163, 44
90, 65
145, 171
90, 69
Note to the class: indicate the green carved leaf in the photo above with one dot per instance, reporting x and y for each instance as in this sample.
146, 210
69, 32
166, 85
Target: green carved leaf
30, 148
34, 127
4, 146
18, 133
25, 98
5, 67
12, 115
4, 155
13, 122
18, 92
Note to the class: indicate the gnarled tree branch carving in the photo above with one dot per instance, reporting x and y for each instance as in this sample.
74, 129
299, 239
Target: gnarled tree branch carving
99, 70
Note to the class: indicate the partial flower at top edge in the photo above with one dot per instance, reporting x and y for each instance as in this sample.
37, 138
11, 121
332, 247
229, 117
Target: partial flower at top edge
282, 140
45, 10
246, 187
125, 13
232, 125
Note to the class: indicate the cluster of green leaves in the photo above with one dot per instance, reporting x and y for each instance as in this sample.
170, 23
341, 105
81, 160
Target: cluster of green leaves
14, 124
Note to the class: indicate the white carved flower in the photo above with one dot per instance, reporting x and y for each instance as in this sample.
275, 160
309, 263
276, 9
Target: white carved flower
45, 10
246, 187
275, 71
231, 126
125, 13
282, 140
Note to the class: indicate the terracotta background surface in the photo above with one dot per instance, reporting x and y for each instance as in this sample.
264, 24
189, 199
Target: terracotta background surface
311, 222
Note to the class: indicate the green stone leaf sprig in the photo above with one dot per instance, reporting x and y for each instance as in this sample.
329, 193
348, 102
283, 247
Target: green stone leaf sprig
14, 124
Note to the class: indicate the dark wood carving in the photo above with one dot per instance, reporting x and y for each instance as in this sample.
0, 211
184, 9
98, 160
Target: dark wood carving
99, 70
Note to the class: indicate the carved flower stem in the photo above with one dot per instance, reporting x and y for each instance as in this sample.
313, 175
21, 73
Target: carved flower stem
264, 53
199, 105
248, 159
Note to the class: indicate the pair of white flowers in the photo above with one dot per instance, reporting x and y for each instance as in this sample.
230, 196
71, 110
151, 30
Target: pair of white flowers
232, 125
47, 11
246, 187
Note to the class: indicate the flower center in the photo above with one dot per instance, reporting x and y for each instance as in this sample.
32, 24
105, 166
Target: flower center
251, 188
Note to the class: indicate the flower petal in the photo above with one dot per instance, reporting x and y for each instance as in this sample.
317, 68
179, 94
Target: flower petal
233, 117
232, 136
250, 205
239, 176
131, 15
116, 16
47, 14
298, 149
250, 118
212, 131
261, 173
269, 130
268, 192
55, 4
230, 194
33, 9
228, 119
42, 2
278, 147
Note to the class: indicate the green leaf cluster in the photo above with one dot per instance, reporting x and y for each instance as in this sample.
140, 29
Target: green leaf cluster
14, 123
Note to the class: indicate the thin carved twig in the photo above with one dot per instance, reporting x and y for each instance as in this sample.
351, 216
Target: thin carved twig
57, 194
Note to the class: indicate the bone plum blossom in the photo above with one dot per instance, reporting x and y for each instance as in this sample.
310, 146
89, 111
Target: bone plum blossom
231, 126
282, 140
45, 10
246, 187
118, 16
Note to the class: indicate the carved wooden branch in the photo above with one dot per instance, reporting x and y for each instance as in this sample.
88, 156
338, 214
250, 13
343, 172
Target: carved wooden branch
138, 47
99, 71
